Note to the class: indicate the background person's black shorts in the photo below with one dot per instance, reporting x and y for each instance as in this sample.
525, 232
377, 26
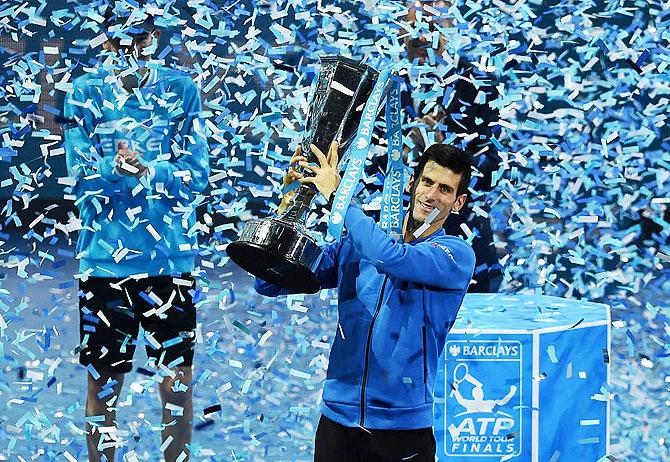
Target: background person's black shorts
110, 319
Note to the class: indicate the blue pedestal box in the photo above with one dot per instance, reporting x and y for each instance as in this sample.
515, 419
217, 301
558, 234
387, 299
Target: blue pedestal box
523, 378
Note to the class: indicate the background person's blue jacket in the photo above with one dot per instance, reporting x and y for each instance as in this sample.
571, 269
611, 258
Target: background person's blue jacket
132, 226
396, 303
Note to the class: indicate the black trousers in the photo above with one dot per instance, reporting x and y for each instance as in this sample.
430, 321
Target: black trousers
337, 443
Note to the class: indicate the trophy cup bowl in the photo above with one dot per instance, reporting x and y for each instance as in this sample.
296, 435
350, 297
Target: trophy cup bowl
279, 250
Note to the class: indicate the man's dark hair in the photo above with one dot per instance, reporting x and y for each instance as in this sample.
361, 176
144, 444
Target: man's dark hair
451, 157
118, 17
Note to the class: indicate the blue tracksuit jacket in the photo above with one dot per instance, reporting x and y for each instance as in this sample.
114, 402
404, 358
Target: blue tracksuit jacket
396, 303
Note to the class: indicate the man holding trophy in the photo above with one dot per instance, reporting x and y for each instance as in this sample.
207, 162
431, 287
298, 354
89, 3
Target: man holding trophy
397, 296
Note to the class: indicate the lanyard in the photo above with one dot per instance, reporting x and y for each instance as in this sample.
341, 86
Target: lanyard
391, 217
359, 153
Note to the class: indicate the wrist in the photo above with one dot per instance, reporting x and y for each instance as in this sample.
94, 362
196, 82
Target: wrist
331, 196
331, 199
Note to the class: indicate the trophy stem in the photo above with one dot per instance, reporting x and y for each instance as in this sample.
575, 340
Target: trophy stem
296, 211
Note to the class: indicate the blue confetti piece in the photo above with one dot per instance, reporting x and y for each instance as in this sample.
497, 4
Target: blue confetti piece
94, 373
631, 343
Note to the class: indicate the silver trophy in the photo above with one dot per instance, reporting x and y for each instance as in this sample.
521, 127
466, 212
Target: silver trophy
279, 249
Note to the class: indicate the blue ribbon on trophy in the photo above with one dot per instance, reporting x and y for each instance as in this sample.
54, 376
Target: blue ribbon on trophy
359, 153
391, 217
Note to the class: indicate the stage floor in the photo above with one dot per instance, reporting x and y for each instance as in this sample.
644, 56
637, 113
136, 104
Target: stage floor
262, 360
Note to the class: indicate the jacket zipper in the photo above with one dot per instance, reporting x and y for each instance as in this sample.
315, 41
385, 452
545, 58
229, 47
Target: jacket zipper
368, 345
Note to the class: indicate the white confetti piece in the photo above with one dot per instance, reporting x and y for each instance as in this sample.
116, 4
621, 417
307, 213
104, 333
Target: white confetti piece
153, 232
264, 338
103, 318
224, 388
589, 422
98, 40
166, 443
426, 224
174, 409
300, 374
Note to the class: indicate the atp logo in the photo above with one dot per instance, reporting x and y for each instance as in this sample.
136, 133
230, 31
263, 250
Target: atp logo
483, 406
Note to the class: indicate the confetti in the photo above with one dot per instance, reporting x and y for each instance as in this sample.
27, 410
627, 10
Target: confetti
551, 351
212, 409
578, 206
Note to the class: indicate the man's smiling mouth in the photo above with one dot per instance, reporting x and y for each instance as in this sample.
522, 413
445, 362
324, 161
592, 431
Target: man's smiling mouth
426, 207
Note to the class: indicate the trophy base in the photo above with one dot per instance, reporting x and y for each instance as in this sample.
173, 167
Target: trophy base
279, 253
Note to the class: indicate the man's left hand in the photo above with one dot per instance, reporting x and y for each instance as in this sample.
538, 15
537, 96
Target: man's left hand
326, 176
128, 162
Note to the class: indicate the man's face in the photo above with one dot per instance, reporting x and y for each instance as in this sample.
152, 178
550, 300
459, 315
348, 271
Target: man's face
436, 188
139, 48
417, 46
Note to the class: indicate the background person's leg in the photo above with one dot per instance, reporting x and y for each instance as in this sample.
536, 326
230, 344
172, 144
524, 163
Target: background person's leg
175, 333
101, 399
107, 327
177, 398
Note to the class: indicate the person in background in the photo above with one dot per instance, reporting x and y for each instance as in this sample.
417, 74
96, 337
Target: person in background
139, 159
